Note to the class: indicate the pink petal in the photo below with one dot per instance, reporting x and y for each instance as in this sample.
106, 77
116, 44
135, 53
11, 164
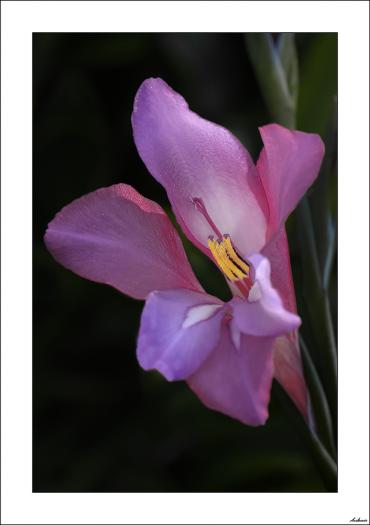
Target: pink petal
178, 330
237, 382
197, 159
118, 237
288, 370
288, 165
287, 359
263, 313
277, 252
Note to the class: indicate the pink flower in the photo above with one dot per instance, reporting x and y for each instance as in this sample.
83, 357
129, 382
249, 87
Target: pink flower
231, 210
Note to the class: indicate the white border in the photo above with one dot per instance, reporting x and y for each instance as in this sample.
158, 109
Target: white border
19, 20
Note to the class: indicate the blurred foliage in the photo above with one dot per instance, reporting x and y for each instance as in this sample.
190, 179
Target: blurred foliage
100, 422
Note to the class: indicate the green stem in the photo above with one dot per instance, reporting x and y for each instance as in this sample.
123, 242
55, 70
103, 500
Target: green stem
319, 402
276, 69
308, 242
328, 264
330, 354
323, 461
318, 304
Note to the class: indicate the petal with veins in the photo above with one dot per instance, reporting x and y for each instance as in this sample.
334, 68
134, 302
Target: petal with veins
237, 382
288, 165
194, 158
118, 237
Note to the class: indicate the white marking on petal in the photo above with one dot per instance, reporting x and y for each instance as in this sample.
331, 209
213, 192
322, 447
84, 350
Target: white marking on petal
255, 293
196, 314
235, 335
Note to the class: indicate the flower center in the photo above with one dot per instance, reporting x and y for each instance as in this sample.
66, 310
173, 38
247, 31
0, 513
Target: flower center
232, 265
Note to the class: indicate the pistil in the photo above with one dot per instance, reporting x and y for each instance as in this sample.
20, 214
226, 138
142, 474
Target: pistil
199, 205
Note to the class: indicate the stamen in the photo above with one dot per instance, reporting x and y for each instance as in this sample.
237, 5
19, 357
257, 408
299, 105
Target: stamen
230, 269
228, 260
231, 264
199, 205
237, 271
234, 256
214, 247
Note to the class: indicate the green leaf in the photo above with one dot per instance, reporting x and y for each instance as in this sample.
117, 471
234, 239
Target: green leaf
289, 61
271, 77
276, 69
321, 202
318, 83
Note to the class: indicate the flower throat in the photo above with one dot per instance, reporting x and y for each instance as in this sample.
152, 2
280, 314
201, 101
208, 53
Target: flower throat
232, 265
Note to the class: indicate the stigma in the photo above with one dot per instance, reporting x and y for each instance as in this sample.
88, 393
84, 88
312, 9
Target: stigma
234, 267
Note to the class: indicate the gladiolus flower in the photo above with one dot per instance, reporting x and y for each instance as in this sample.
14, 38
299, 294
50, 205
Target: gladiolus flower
231, 210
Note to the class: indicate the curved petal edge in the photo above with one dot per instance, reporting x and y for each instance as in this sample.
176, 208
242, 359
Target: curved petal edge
118, 237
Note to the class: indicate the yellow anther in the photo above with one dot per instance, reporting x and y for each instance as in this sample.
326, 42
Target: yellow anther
215, 249
234, 256
228, 260
230, 264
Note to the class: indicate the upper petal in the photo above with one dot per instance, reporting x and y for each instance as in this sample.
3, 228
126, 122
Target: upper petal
288, 165
194, 158
178, 330
118, 237
263, 313
237, 382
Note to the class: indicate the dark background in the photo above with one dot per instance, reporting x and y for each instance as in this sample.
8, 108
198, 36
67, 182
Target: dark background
100, 422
